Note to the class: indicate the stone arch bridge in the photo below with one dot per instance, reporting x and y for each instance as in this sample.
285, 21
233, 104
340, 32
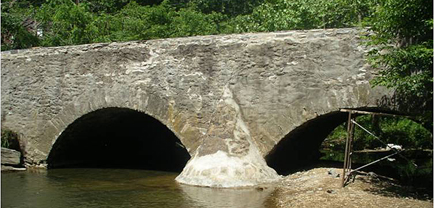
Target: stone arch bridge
231, 105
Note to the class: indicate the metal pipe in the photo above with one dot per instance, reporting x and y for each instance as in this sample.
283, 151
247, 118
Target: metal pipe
373, 162
396, 151
349, 124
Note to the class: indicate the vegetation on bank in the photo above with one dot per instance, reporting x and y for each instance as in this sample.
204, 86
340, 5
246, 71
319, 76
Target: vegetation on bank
416, 141
391, 130
9, 139
28, 23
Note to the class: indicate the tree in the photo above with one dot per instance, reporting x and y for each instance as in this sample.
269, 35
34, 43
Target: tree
113, 6
189, 22
303, 14
404, 53
65, 23
18, 28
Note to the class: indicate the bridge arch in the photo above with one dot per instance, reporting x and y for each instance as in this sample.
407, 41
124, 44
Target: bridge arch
300, 146
45, 133
121, 138
267, 84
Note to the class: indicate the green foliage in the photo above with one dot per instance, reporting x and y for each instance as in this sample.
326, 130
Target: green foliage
227, 7
409, 71
188, 23
401, 20
339, 133
413, 137
144, 22
401, 131
404, 53
9, 139
14, 17
104, 6
303, 14
65, 23
406, 132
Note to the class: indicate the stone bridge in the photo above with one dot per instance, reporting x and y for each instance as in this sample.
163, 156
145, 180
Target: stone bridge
232, 106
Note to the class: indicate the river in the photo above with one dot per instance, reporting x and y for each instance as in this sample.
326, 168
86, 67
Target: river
119, 188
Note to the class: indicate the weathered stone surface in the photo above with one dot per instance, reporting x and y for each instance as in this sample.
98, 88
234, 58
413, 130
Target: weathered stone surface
276, 81
228, 156
10, 157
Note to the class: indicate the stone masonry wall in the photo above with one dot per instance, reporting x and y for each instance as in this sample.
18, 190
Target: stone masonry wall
230, 96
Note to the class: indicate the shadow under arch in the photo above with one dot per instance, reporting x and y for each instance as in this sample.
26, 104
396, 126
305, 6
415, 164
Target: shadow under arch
300, 147
118, 138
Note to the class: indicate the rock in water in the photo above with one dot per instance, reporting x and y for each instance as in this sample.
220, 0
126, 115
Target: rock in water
10, 157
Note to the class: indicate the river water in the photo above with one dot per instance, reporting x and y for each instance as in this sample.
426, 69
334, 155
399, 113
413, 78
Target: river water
119, 188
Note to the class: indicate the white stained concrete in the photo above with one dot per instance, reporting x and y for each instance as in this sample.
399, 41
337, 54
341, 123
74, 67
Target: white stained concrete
221, 170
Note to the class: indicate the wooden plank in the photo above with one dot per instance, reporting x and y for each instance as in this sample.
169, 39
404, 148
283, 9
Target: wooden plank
347, 157
371, 113
372, 151
388, 150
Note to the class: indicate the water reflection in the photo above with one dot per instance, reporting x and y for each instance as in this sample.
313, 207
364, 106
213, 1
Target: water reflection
117, 188
229, 198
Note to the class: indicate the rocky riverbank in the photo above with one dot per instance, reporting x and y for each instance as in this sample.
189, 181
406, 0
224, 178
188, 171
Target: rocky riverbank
320, 187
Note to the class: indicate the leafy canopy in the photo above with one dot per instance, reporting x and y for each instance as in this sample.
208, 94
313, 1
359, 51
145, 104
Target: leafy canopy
404, 53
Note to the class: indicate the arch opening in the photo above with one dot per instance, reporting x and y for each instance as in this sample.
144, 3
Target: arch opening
118, 138
300, 147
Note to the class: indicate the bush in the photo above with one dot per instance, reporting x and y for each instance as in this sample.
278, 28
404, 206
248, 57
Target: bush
9, 139
401, 131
